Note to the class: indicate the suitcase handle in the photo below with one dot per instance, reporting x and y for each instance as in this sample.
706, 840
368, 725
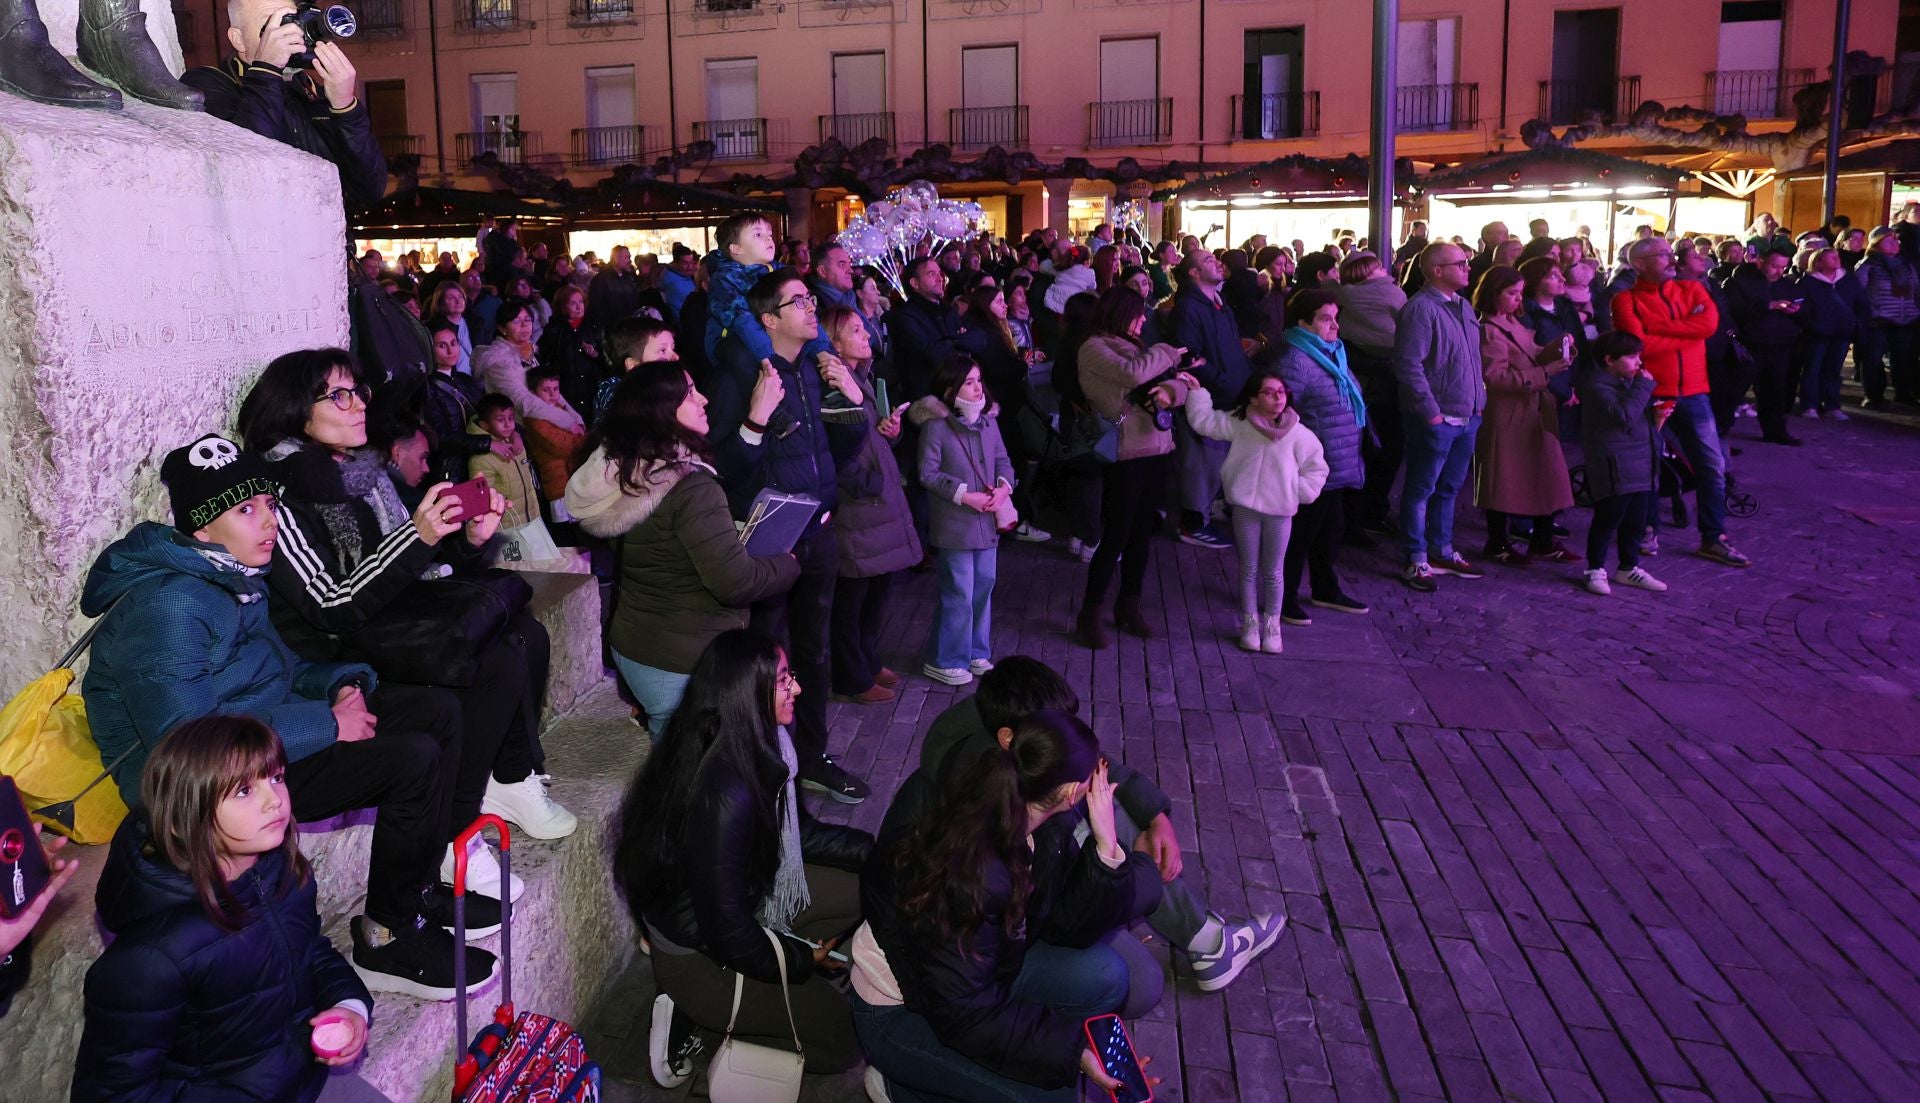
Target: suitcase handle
464, 1063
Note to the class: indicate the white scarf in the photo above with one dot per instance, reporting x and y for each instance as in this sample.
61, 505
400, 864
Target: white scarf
788, 897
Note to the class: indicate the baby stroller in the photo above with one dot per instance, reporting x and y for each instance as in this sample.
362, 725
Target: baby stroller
1676, 480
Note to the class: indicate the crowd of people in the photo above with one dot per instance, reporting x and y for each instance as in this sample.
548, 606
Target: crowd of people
321, 625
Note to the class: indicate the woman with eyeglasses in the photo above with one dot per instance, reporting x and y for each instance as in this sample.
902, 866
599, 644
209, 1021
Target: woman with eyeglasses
350, 558
716, 852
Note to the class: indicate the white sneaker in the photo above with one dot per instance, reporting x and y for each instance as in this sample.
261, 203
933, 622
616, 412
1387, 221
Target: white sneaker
1032, 535
672, 1065
979, 666
1837, 415
1639, 579
1746, 410
876, 1087
1073, 545
527, 804
1597, 582
1810, 413
951, 675
1249, 632
1270, 635
483, 870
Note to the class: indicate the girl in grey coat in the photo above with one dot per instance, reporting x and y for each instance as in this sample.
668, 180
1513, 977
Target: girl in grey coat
1619, 432
969, 483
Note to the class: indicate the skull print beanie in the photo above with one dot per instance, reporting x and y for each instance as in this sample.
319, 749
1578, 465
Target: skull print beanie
209, 477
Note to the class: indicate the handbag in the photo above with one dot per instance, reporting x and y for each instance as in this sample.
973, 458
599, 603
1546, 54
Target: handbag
1090, 441
432, 632
743, 1072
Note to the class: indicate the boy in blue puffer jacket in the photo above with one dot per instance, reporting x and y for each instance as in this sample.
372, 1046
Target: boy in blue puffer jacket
186, 635
743, 257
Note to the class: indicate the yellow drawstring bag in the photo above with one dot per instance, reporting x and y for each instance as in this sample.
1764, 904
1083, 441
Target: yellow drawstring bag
48, 750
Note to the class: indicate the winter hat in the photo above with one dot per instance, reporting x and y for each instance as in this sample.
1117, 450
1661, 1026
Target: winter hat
209, 477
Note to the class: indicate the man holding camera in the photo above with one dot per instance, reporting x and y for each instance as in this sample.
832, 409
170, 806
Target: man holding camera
286, 83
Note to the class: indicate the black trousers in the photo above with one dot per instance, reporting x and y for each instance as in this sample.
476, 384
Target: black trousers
859, 604
1317, 530
1500, 526
1772, 386
1884, 347
1131, 493
405, 773
1619, 520
802, 619
1382, 394
1728, 378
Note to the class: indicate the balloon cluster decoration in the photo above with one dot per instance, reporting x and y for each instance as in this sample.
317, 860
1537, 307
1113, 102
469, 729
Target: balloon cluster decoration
894, 229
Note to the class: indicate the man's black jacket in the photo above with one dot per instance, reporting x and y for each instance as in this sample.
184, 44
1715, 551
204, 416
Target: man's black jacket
255, 96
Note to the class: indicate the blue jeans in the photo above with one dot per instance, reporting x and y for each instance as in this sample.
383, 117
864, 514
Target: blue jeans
1693, 426
1437, 458
965, 619
658, 691
921, 1069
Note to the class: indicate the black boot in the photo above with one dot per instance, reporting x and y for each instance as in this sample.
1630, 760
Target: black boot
114, 43
1127, 618
31, 67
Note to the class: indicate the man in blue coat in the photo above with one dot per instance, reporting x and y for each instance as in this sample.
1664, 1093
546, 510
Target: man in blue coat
187, 635
1203, 325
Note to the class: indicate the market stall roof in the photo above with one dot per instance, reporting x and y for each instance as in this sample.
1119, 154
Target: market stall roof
1558, 171
631, 202
424, 208
1899, 158
1294, 178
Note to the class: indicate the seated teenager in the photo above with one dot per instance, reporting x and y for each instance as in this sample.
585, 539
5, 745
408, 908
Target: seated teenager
684, 576
1217, 949
348, 551
991, 936
715, 848
218, 982
187, 634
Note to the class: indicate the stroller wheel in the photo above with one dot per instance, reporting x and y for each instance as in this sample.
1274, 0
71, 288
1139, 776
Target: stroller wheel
1742, 504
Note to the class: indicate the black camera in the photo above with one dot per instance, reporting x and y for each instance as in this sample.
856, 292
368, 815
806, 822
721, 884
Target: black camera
318, 24
1142, 396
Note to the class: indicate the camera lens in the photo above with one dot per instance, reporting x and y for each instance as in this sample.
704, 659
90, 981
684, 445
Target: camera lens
340, 21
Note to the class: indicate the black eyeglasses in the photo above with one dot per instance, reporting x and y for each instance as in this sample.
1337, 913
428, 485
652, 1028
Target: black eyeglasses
342, 397
804, 302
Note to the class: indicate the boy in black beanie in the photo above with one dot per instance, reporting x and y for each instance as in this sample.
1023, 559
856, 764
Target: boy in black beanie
191, 638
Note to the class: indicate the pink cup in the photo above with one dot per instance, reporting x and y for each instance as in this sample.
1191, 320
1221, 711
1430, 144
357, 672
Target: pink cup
332, 1034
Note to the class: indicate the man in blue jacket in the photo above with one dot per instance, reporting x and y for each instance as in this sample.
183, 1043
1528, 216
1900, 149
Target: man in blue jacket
187, 635
768, 432
1203, 325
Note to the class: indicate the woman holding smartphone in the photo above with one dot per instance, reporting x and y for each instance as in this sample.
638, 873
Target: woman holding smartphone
991, 935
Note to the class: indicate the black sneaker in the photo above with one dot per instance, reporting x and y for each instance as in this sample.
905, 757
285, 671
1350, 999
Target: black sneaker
483, 912
1291, 613
824, 775
1339, 603
417, 963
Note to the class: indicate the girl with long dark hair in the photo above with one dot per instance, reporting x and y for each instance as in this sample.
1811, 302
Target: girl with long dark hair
218, 981
683, 575
715, 849
986, 944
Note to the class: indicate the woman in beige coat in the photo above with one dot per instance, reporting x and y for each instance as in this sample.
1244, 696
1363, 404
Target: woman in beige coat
1519, 468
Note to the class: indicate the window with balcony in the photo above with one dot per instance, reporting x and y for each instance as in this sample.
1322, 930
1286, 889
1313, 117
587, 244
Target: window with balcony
1586, 68
488, 15
733, 122
859, 100
381, 18
1430, 96
1130, 110
1272, 101
990, 112
612, 133
496, 118
596, 12
722, 7
1747, 78
386, 102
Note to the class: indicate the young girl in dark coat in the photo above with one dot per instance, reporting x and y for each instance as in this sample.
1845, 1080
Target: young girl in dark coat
1619, 434
219, 983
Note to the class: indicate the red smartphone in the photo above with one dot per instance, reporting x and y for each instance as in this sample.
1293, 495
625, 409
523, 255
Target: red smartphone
473, 495
24, 871
1108, 1038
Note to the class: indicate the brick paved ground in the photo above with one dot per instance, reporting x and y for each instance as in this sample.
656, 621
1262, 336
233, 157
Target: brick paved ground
1534, 845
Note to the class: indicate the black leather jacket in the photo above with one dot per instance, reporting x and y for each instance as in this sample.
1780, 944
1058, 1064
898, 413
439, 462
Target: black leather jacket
729, 866
255, 96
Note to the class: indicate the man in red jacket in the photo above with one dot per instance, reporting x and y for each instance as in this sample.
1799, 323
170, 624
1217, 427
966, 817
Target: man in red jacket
1674, 318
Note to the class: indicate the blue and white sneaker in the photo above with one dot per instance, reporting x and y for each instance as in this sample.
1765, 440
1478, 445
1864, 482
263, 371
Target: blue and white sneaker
1240, 943
1206, 536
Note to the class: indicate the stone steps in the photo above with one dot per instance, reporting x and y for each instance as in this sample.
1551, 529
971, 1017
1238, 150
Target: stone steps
572, 931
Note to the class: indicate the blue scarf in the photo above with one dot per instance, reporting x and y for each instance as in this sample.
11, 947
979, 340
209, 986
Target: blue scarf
1333, 358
